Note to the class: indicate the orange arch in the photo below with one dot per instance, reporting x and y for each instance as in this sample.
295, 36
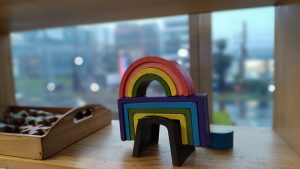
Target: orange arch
179, 87
179, 76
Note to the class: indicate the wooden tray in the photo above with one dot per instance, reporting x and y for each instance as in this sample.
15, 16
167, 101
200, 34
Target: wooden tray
65, 132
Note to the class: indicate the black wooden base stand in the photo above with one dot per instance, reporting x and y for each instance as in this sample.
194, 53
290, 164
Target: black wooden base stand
147, 133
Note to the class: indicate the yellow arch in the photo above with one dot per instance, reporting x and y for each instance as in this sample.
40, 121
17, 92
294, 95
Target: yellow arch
156, 71
180, 117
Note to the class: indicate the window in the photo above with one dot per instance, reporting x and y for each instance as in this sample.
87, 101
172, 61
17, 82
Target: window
71, 66
76, 65
243, 66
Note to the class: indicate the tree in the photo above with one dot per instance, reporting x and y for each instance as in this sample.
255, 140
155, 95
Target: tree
221, 64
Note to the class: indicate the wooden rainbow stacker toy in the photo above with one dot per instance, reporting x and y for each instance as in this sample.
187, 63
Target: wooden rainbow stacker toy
182, 111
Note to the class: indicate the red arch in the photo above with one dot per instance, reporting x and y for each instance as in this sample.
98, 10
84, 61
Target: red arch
183, 76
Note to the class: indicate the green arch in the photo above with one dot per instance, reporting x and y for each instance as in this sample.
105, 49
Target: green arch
141, 85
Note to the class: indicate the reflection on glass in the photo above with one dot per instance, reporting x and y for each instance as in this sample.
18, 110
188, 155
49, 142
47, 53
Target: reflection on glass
243, 66
76, 65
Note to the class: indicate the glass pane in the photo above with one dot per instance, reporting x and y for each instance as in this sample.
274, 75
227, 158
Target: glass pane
71, 66
243, 66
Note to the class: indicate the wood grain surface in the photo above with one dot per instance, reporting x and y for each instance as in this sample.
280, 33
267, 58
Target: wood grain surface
16, 15
287, 79
253, 148
7, 87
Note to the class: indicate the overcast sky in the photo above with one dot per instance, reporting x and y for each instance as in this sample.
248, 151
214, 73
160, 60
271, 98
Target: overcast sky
260, 25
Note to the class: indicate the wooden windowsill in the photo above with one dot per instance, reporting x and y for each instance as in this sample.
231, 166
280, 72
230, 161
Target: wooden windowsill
253, 148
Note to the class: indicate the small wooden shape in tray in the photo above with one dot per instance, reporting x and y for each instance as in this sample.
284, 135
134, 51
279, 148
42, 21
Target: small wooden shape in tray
66, 131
